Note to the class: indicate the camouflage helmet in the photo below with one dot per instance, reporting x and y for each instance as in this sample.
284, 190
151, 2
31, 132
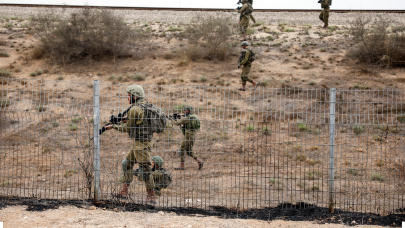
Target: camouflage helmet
158, 160
136, 90
244, 43
188, 108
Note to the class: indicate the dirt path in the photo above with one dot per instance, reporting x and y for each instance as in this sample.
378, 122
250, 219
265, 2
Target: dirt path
70, 216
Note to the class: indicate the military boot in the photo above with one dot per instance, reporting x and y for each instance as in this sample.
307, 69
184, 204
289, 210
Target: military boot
123, 194
151, 197
200, 163
181, 167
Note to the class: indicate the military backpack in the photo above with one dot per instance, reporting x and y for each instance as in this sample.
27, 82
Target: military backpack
154, 120
194, 122
252, 56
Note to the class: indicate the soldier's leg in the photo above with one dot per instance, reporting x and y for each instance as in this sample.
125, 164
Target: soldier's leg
127, 166
142, 155
326, 18
321, 16
181, 155
190, 151
244, 24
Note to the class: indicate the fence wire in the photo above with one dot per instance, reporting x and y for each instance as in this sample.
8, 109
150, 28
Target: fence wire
260, 148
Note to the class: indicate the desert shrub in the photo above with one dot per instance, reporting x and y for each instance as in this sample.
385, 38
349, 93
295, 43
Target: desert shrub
375, 44
5, 73
139, 77
4, 104
208, 37
358, 129
86, 33
3, 42
4, 54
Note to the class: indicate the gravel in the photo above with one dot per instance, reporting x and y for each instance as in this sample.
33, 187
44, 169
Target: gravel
291, 18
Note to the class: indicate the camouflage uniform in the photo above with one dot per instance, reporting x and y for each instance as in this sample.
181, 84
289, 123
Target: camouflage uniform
246, 67
245, 18
324, 16
188, 140
141, 147
158, 177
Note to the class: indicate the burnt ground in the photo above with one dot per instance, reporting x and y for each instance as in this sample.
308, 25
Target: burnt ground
290, 212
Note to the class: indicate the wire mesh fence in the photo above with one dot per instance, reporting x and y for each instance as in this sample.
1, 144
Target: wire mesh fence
342, 148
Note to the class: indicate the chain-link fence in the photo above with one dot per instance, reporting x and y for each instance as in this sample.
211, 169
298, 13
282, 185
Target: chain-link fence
333, 148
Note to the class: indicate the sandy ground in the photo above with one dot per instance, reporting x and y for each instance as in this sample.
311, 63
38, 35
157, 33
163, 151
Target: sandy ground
167, 16
69, 216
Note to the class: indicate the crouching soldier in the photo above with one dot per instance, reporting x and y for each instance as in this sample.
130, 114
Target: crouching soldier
161, 177
189, 125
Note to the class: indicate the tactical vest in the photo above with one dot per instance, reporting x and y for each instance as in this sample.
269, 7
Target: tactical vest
193, 123
154, 120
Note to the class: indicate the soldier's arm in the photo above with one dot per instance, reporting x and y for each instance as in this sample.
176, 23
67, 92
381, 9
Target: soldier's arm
181, 121
247, 54
244, 7
135, 117
253, 19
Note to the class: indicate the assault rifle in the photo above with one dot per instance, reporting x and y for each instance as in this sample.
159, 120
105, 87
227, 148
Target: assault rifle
114, 120
321, 1
176, 116
238, 7
242, 56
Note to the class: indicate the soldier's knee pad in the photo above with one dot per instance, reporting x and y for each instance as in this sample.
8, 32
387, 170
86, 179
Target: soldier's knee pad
180, 153
321, 18
124, 165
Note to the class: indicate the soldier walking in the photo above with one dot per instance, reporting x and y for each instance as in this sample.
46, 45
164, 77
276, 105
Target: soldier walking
324, 16
244, 18
139, 128
189, 125
246, 58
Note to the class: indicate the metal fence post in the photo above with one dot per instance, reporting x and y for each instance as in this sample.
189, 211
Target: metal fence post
331, 181
96, 141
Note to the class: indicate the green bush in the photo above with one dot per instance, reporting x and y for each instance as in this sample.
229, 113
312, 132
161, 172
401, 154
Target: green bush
249, 128
358, 129
72, 127
377, 177
5, 73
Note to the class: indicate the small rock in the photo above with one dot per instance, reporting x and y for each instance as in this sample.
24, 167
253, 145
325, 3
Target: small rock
161, 213
92, 208
354, 222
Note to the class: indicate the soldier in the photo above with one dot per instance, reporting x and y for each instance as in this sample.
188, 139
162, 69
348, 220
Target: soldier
190, 124
161, 177
324, 16
246, 59
142, 143
245, 16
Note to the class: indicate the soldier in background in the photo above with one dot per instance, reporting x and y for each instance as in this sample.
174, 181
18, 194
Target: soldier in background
245, 16
324, 16
246, 59
189, 125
